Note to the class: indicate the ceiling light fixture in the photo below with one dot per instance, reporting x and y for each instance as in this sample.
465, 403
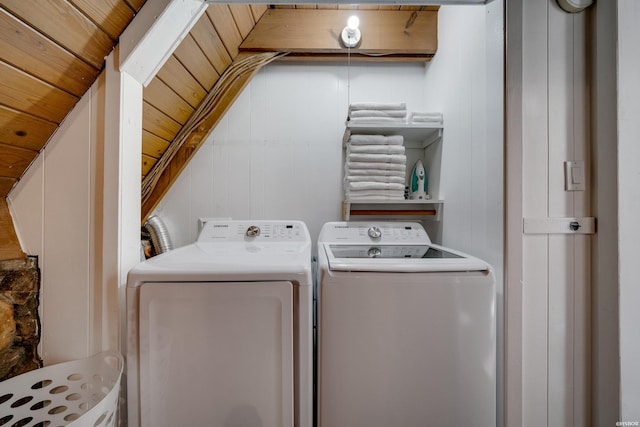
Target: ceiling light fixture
351, 33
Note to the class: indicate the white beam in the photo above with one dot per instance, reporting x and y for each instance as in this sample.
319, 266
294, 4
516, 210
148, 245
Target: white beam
154, 34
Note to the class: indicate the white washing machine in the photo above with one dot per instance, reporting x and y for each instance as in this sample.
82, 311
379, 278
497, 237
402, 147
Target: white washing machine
406, 330
220, 331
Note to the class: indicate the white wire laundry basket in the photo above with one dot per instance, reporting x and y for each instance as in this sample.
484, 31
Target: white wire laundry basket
80, 393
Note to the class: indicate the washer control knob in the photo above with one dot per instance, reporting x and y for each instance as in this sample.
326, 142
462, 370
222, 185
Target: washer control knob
253, 231
374, 232
374, 252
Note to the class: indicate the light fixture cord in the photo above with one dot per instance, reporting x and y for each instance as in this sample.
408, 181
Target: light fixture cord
348, 79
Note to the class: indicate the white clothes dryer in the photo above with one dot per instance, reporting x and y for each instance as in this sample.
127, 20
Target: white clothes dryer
406, 330
220, 331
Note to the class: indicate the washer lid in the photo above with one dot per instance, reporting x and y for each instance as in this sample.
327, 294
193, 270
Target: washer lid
400, 258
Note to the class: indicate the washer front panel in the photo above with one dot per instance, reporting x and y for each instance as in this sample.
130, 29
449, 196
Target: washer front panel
216, 354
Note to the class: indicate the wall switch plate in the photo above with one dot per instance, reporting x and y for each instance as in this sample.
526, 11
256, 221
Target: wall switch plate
574, 176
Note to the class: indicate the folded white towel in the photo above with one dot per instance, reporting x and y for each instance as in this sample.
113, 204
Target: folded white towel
424, 117
376, 140
375, 198
377, 158
375, 178
377, 106
431, 114
375, 186
376, 149
375, 195
378, 113
369, 173
425, 120
374, 120
379, 166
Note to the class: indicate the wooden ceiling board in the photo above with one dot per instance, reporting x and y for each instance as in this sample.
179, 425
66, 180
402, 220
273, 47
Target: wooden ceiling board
257, 10
6, 184
10, 247
176, 76
158, 123
23, 130
23, 92
222, 21
161, 96
30, 51
15, 160
316, 32
112, 16
243, 18
196, 64
209, 41
147, 164
63, 23
152, 145
135, 4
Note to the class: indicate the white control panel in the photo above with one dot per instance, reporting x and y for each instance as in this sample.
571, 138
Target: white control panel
355, 232
253, 231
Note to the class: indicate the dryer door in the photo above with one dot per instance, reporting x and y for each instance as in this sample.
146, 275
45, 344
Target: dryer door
216, 354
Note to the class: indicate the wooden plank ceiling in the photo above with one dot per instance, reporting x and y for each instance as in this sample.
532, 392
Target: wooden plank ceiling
52, 52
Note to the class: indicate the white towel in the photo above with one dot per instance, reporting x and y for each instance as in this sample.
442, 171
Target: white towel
376, 140
375, 186
433, 115
380, 166
377, 106
423, 117
375, 195
378, 174
377, 158
375, 178
376, 149
378, 113
374, 120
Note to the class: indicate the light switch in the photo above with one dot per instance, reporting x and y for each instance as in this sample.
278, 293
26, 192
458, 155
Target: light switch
574, 176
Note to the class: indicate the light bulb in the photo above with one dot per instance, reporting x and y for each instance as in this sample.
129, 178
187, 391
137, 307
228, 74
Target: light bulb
353, 23
351, 33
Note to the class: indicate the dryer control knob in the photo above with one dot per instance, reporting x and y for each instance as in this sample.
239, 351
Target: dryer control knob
253, 231
374, 232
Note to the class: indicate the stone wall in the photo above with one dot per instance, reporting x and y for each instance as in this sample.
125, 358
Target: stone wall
19, 321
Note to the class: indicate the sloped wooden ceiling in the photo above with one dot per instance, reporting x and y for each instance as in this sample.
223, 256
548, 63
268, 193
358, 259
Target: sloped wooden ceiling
51, 52
225, 36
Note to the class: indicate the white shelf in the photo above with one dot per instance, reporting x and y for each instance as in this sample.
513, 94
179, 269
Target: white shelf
420, 136
385, 208
416, 135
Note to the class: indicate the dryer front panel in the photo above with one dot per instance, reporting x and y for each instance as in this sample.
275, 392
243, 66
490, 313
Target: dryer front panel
216, 354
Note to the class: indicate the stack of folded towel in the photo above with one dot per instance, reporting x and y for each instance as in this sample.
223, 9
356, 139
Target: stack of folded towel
375, 168
376, 112
424, 118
